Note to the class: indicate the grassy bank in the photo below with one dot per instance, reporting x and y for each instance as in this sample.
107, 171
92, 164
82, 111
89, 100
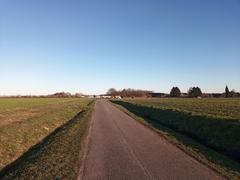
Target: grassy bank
25, 122
56, 156
211, 139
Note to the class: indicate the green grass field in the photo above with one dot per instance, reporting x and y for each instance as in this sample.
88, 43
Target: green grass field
210, 127
26, 122
212, 107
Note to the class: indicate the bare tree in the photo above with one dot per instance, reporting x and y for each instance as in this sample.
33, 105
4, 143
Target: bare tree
128, 92
112, 92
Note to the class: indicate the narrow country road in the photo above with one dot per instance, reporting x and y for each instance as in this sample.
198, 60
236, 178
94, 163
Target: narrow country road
121, 148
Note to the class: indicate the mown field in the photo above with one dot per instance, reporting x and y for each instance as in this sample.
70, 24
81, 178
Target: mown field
212, 107
27, 122
212, 125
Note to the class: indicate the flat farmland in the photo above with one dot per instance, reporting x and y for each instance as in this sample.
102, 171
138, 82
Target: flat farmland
24, 122
227, 108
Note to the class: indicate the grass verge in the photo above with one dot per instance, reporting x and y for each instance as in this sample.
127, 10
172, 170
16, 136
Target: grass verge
218, 162
57, 156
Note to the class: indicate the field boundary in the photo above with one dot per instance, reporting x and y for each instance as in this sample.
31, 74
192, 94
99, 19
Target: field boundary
167, 134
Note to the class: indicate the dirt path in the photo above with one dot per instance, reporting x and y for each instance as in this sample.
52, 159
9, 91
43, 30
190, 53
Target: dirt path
121, 148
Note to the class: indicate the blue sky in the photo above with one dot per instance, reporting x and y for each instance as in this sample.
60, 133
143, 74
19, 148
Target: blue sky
90, 45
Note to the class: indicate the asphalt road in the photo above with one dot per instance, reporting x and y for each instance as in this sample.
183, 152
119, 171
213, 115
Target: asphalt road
121, 148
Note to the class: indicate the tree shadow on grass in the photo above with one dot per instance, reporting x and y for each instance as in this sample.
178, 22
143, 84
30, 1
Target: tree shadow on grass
203, 133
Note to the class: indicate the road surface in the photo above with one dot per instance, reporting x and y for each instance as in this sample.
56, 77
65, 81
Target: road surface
121, 148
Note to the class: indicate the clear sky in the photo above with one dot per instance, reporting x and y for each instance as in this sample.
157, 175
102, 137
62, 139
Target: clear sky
91, 45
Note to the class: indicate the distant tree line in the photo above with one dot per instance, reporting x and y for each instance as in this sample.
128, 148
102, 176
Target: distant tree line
196, 92
55, 95
128, 92
65, 94
61, 94
193, 92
